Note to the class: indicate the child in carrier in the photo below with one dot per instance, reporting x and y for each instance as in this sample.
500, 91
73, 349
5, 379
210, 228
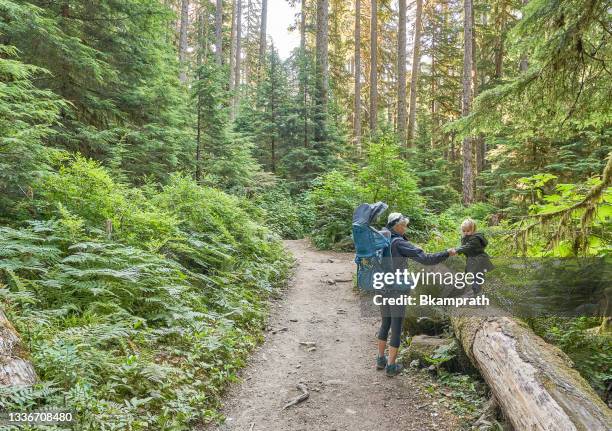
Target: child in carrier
473, 246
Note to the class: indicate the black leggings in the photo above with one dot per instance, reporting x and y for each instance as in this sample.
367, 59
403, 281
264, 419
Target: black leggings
395, 324
392, 318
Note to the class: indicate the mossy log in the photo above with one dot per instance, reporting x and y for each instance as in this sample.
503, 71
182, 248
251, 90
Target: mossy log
534, 382
423, 347
15, 368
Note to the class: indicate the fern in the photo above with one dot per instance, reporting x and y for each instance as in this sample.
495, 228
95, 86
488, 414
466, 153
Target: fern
116, 329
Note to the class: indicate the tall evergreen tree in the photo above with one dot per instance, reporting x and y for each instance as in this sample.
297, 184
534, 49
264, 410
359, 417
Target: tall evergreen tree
120, 76
401, 73
238, 57
416, 67
373, 66
219, 32
357, 91
322, 69
183, 29
466, 101
28, 115
263, 35
226, 156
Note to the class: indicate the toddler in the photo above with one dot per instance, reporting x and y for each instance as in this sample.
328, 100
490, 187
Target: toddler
473, 246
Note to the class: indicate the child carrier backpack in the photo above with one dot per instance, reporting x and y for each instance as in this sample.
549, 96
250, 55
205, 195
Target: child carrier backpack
371, 245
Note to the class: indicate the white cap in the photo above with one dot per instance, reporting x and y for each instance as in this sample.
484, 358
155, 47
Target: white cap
395, 218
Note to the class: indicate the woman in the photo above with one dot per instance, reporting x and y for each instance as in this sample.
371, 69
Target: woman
393, 315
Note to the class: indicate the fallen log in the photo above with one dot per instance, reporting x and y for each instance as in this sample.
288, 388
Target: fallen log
534, 382
15, 368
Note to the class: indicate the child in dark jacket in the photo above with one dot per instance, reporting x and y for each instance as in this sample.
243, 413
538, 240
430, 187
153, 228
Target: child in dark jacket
473, 246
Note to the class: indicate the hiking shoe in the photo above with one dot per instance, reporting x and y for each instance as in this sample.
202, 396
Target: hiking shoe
381, 362
393, 370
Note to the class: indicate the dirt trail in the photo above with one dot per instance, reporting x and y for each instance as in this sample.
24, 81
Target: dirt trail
346, 390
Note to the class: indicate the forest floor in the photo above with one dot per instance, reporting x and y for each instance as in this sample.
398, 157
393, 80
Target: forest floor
346, 391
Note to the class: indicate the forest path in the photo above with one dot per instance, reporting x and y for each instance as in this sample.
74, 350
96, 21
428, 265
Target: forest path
346, 390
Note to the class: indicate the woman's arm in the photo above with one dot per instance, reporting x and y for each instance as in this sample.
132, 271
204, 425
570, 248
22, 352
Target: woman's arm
411, 251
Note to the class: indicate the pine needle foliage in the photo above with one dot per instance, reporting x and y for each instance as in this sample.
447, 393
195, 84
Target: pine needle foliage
28, 114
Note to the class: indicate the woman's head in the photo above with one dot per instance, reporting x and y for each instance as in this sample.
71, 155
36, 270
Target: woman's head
468, 227
398, 223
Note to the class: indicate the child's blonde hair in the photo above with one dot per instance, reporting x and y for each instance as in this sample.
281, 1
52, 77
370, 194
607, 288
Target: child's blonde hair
467, 224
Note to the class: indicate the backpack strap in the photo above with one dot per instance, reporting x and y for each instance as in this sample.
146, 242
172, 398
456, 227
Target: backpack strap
393, 241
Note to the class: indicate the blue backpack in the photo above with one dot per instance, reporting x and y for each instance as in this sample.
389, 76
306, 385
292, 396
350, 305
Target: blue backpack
371, 245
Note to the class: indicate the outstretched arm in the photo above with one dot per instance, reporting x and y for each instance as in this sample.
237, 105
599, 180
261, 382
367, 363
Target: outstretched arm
411, 251
471, 245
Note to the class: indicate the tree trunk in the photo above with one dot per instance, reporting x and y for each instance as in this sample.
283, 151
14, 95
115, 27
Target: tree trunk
478, 142
303, 27
238, 53
183, 40
273, 113
15, 368
263, 33
322, 72
535, 383
232, 50
468, 175
322, 50
303, 80
401, 72
218, 32
248, 52
474, 63
414, 79
198, 172
500, 18
357, 113
524, 63
202, 43
434, 104
373, 67
499, 58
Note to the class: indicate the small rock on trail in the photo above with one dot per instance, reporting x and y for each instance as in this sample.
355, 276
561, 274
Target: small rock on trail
346, 390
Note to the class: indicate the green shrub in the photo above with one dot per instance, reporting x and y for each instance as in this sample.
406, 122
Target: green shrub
334, 198
385, 178
145, 329
83, 189
289, 216
388, 178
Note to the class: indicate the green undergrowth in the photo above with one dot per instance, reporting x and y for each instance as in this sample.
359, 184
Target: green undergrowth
143, 325
289, 216
465, 395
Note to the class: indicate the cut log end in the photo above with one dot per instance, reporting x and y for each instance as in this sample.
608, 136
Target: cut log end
15, 368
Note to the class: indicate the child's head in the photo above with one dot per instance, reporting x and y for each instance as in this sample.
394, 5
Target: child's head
468, 227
